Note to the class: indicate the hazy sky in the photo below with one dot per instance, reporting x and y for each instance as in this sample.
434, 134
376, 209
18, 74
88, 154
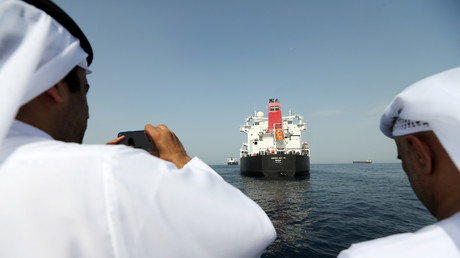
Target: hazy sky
202, 67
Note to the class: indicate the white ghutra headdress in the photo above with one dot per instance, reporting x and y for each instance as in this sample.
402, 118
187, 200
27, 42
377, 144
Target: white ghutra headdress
36, 52
430, 104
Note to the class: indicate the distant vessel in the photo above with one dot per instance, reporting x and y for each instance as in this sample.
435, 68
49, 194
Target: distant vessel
232, 161
367, 161
274, 147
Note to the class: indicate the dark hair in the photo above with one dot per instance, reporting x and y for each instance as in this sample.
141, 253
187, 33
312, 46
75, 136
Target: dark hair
73, 81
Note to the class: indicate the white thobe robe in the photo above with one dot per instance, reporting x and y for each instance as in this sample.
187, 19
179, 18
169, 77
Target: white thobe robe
441, 239
69, 200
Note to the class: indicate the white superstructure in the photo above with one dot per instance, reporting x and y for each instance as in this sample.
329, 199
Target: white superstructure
274, 134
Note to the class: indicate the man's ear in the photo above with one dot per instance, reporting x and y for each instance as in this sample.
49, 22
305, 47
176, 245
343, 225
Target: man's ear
55, 93
422, 151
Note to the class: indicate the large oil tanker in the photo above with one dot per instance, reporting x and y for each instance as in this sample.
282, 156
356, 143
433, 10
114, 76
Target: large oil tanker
274, 147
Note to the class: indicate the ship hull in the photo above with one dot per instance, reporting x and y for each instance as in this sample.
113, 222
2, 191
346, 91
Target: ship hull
275, 165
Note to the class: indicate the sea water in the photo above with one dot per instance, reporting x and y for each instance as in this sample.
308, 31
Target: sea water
339, 204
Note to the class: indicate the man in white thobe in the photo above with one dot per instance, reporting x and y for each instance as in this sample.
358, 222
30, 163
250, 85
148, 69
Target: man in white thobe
59, 198
424, 121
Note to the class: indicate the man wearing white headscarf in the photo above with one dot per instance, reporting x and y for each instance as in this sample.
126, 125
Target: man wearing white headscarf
424, 121
59, 198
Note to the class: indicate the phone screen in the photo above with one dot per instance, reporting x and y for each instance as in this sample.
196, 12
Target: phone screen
136, 139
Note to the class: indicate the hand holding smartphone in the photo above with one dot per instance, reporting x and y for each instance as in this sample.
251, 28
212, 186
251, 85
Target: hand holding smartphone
136, 139
163, 143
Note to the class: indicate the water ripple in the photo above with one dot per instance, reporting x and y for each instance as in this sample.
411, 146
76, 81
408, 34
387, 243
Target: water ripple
339, 204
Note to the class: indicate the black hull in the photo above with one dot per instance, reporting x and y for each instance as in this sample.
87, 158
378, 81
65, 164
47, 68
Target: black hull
275, 165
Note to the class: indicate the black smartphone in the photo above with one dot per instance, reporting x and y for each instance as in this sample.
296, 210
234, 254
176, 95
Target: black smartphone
136, 139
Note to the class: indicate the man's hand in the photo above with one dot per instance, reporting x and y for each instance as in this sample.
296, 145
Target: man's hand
166, 145
117, 140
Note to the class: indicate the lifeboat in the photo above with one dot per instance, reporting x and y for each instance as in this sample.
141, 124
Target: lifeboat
279, 134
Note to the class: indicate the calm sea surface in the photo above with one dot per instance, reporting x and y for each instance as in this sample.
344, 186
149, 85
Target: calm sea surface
339, 204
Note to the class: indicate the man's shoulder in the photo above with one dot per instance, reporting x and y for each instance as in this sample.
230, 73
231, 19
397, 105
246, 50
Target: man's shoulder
95, 150
431, 241
58, 149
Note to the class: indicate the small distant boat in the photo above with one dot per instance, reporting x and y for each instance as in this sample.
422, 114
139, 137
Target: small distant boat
232, 161
367, 161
